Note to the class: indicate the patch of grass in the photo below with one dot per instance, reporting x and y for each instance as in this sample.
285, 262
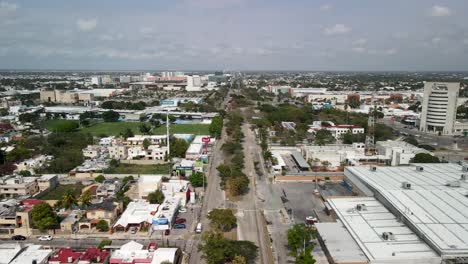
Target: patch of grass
140, 169
60, 190
57, 125
196, 129
111, 128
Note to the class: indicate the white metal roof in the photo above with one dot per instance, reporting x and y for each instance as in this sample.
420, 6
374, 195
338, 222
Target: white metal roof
438, 212
367, 227
33, 252
137, 212
340, 244
164, 254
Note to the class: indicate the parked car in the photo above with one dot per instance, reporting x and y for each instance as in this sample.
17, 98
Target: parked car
45, 238
167, 232
179, 226
133, 230
199, 228
182, 210
18, 237
180, 221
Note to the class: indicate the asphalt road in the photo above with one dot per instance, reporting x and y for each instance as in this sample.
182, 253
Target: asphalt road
425, 138
249, 219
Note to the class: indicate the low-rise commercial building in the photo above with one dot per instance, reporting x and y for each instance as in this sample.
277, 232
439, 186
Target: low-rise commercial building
397, 152
138, 214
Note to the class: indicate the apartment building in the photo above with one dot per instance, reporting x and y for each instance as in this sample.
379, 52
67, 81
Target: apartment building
13, 186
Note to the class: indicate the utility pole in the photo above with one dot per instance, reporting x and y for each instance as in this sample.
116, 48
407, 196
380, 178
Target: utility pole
167, 134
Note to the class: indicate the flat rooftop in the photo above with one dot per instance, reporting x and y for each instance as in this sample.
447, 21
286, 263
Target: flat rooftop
340, 244
438, 212
367, 228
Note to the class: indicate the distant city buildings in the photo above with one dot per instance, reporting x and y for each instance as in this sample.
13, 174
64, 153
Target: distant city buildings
439, 107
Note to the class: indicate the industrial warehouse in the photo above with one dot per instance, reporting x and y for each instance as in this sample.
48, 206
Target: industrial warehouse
411, 214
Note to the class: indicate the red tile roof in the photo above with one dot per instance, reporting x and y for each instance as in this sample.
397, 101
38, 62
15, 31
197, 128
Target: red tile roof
64, 254
92, 254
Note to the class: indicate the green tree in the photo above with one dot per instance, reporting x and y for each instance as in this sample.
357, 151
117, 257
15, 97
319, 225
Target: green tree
43, 216
128, 133
104, 242
178, 147
69, 199
215, 249
100, 178
144, 129
239, 260
110, 116
156, 197
197, 179
299, 236
85, 198
323, 137
146, 143
102, 226
216, 127
237, 185
222, 219
412, 140
172, 118
425, 158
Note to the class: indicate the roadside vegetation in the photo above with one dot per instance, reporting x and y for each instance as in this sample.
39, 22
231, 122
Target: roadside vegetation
300, 245
233, 180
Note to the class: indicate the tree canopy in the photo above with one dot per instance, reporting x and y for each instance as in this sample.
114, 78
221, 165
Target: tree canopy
156, 197
323, 137
215, 249
425, 158
43, 216
110, 116
197, 179
222, 219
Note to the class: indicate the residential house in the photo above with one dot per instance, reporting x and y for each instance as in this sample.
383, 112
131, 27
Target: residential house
12, 186
106, 209
138, 214
65, 256
132, 253
33, 254
47, 181
118, 152
33, 163
108, 188
94, 256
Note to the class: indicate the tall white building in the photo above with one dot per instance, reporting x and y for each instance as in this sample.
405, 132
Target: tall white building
439, 107
96, 80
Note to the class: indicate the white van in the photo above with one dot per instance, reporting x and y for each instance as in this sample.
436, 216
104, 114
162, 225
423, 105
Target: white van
199, 228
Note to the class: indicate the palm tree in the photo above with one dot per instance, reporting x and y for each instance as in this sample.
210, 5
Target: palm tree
86, 198
69, 199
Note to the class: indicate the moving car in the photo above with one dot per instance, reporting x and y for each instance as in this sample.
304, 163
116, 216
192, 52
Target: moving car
180, 221
18, 237
179, 226
45, 238
182, 210
199, 228
311, 220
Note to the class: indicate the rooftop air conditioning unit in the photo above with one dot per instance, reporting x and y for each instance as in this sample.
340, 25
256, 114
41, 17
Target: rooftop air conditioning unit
388, 236
463, 177
419, 168
455, 184
373, 168
406, 185
361, 207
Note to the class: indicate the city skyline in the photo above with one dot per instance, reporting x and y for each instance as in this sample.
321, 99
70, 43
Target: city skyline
234, 34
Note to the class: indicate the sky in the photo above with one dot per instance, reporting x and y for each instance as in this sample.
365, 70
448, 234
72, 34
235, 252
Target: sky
359, 35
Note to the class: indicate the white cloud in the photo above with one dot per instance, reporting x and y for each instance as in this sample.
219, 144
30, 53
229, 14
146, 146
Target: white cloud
360, 42
435, 40
391, 51
337, 29
359, 49
86, 24
326, 7
440, 11
6, 8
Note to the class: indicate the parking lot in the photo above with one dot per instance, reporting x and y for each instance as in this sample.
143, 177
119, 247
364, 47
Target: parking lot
300, 198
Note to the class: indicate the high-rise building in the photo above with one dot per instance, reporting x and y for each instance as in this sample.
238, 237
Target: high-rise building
439, 107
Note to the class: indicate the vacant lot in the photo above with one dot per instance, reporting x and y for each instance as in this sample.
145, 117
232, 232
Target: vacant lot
196, 129
111, 128
140, 169
60, 191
